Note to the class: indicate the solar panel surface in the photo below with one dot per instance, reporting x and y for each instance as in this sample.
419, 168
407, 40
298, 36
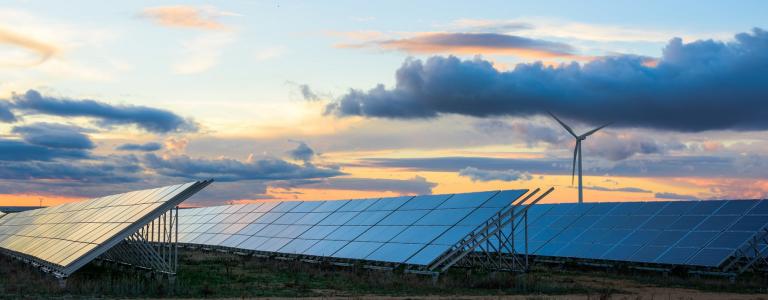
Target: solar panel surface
695, 233
67, 236
411, 230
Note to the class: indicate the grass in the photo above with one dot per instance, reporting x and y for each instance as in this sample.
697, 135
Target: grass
220, 275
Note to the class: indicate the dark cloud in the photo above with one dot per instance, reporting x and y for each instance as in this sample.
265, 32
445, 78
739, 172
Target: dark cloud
6, 115
221, 192
302, 152
148, 118
473, 43
108, 172
674, 196
307, 93
415, 185
610, 145
665, 166
702, 85
12, 150
227, 169
531, 132
54, 136
619, 146
75, 178
148, 147
476, 174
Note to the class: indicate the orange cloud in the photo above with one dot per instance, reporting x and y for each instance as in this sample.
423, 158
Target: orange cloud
475, 43
729, 188
183, 16
44, 51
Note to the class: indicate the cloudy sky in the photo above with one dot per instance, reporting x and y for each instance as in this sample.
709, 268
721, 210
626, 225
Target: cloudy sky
349, 99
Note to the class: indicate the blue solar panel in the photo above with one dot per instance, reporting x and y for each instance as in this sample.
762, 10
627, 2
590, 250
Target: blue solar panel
380, 233
394, 252
716, 223
660, 222
444, 216
387, 203
730, 239
357, 250
677, 256
468, 200
420, 234
418, 229
750, 223
298, 246
658, 232
501, 199
760, 209
325, 248
427, 254
697, 239
736, 207
319, 232
710, 257
368, 217
705, 207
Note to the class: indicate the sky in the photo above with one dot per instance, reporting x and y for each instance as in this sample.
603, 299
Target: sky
357, 99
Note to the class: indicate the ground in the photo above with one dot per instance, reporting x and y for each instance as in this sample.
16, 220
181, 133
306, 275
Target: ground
220, 275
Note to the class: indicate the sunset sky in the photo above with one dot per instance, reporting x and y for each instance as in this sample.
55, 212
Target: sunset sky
352, 99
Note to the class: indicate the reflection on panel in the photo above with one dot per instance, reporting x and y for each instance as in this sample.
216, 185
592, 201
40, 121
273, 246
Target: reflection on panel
60, 235
407, 229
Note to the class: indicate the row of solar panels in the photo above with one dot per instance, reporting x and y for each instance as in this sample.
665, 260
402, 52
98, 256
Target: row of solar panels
411, 230
60, 236
697, 233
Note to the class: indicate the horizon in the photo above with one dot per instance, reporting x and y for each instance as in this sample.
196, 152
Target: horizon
310, 101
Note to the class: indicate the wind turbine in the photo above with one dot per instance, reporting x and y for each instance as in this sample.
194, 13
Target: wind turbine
577, 151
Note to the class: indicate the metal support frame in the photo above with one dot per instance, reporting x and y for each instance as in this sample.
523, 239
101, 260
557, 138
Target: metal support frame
153, 247
478, 249
749, 255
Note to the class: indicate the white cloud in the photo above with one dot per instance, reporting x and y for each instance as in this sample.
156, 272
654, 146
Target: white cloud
557, 28
202, 53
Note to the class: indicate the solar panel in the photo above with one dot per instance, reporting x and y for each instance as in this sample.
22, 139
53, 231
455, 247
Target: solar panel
418, 230
412, 230
695, 233
65, 237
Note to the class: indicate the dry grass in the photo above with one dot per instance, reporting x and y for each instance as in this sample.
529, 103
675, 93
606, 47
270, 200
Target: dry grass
219, 275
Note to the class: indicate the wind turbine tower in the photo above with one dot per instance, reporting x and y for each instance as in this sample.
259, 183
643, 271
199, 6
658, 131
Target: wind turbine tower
577, 151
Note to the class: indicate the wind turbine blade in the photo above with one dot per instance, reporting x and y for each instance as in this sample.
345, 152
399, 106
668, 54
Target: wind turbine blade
594, 130
564, 126
575, 151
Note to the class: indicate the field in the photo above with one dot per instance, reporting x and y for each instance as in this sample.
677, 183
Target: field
219, 275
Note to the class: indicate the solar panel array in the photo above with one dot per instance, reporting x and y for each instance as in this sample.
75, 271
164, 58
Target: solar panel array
61, 236
409, 230
695, 233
